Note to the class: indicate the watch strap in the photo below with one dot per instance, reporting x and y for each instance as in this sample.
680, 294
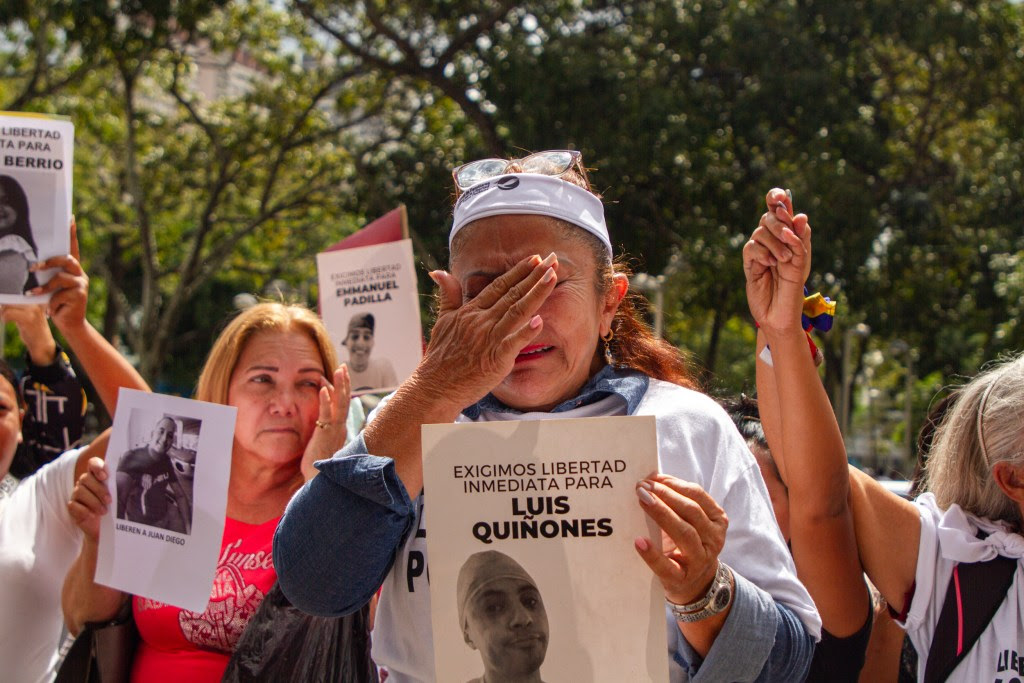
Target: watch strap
717, 598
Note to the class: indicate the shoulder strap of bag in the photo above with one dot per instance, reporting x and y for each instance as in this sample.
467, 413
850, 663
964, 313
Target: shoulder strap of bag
976, 590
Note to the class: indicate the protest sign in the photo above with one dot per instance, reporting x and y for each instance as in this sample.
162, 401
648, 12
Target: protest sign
169, 460
370, 305
35, 199
531, 556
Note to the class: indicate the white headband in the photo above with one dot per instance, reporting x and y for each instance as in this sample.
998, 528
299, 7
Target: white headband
531, 193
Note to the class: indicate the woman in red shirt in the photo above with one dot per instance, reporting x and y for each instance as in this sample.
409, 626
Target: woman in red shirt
274, 363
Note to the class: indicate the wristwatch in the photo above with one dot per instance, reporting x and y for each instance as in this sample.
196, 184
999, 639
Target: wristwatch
716, 600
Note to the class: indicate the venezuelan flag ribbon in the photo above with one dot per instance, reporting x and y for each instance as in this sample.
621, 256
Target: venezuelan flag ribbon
818, 314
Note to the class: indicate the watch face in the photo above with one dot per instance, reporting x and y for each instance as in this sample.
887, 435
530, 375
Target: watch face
722, 599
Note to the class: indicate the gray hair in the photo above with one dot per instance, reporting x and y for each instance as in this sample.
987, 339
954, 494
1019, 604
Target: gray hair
984, 427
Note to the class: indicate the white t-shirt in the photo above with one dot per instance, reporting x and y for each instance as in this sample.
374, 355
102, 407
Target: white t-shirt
38, 543
379, 374
947, 538
696, 441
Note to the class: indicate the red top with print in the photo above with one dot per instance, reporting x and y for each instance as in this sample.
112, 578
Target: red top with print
179, 645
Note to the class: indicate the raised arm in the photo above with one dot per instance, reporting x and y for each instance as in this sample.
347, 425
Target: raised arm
799, 423
34, 332
106, 368
53, 396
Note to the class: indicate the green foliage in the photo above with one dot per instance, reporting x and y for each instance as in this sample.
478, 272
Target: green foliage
184, 200
896, 125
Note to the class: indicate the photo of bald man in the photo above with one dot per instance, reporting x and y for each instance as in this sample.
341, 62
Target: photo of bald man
502, 616
155, 480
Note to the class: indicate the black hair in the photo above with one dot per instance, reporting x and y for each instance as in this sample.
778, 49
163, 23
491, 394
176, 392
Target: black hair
747, 417
15, 197
8, 374
926, 436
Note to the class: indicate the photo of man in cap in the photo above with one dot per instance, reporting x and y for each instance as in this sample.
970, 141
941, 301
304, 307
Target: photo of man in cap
502, 615
368, 374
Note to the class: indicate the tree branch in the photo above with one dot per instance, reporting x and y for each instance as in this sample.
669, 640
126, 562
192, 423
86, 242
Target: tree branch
470, 35
412, 68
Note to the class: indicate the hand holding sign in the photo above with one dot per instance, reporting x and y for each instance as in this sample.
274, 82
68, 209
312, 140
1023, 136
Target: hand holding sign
474, 345
90, 498
693, 534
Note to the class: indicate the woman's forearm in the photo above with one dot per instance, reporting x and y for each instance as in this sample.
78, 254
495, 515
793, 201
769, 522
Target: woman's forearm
83, 600
395, 430
701, 635
760, 640
812, 459
768, 406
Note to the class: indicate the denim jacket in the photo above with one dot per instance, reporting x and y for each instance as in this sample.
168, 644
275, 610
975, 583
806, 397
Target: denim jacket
341, 533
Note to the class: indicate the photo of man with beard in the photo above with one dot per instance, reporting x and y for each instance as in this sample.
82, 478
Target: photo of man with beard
155, 481
502, 616
368, 374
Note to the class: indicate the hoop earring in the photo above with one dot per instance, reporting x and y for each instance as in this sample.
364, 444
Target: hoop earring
609, 359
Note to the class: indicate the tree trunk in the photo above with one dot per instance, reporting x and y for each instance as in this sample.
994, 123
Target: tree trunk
711, 355
833, 379
115, 273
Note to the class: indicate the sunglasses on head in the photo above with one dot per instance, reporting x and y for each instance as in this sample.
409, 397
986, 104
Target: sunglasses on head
553, 162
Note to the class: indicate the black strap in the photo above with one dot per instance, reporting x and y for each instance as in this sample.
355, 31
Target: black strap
982, 589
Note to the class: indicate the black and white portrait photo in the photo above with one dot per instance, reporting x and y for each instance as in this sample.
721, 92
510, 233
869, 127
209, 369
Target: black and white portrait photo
370, 305
366, 372
169, 458
540, 586
502, 616
35, 200
17, 244
155, 477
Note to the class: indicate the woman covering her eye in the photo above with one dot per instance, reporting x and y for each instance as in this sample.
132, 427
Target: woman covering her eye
522, 348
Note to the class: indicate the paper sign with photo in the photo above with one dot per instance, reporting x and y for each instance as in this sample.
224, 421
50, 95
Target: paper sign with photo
370, 305
530, 537
169, 460
35, 199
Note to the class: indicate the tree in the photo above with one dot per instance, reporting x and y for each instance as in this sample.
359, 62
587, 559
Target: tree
53, 46
182, 197
690, 112
894, 123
